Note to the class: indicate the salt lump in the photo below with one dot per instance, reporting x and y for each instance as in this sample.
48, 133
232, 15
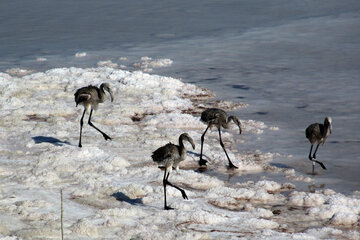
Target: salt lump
344, 218
41, 59
86, 228
107, 63
306, 199
80, 54
340, 210
201, 217
114, 190
261, 223
147, 64
19, 72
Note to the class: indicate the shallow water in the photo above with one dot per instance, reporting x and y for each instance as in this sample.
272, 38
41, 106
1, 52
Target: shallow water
293, 63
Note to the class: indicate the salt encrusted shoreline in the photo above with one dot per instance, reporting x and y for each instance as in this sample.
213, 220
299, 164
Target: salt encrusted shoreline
112, 190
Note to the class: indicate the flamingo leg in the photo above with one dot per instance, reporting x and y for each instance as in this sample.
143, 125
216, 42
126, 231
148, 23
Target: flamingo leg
321, 164
231, 165
313, 167
314, 156
81, 126
91, 124
310, 158
166, 182
202, 161
166, 207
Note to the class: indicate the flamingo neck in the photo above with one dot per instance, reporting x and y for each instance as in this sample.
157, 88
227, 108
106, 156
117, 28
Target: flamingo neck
227, 124
182, 149
327, 129
102, 94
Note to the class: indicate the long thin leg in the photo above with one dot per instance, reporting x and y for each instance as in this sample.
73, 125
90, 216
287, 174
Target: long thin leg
321, 164
166, 182
310, 158
313, 165
314, 156
166, 207
81, 125
202, 161
183, 193
91, 124
231, 165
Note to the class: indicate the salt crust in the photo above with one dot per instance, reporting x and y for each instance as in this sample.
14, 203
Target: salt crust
18, 72
147, 63
327, 204
112, 188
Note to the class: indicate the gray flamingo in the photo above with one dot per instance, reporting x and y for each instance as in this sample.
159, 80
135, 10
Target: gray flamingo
90, 97
218, 118
318, 132
170, 156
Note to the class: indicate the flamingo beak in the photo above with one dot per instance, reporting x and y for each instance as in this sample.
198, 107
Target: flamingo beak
192, 143
111, 96
239, 125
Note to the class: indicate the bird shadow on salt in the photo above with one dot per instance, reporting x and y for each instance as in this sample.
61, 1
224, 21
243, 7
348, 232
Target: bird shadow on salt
197, 155
54, 141
123, 198
193, 153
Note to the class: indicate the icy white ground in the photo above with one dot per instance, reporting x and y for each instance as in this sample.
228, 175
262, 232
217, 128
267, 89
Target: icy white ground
113, 190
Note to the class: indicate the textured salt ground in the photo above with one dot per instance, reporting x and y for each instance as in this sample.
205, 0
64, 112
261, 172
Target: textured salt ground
113, 190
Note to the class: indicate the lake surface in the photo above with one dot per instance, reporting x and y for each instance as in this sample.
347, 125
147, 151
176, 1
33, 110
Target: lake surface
293, 62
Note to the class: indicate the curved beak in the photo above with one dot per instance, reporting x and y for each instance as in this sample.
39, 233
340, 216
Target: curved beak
111, 95
192, 142
239, 125
237, 122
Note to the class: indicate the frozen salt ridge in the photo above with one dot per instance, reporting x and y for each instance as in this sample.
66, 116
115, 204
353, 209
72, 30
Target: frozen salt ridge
112, 189
253, 126
147, 63
327, 204
107, 63
80, 54
291, 174
41, 59
18, 72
